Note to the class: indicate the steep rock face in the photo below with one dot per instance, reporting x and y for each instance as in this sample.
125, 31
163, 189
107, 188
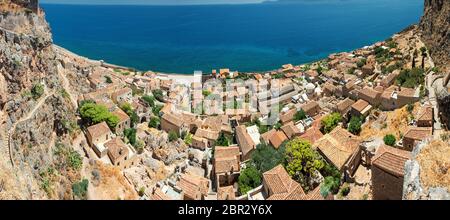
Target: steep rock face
32, 129
435, 27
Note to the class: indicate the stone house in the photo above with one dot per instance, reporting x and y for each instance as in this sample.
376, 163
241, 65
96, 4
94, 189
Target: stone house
370, 95
122, 95
193, 187
124, 121
277, 139
226, 167
171, 122
360, 108
425, 116
117, 151
344, 107
311, 108
415, 135
245, 142
97, 135
388, 172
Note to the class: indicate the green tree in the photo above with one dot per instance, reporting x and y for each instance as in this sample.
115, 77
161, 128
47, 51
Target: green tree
130, 134
94, 114
355, 124
150, 100
330, 122
301, 161
299, 115
154, 122
156, 109
79, 189
173, 136
37, 91
134, 118
222, 140
108, 79
389, 139
330, 185
206, 93
266, 157
188, 139
158, 94
249, 179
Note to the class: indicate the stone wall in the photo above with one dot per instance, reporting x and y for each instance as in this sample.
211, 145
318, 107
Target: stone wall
385, 185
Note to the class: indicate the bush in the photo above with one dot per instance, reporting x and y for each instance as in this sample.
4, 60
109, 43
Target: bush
410, 108
389, 140
37, 91
249, 179
154, 122
355, 124
158, 94
345, 190
300, 115
330, 186
411, 78
134, 118
188, 139
74, 159
173, 136
130, 134
156, 109
223, 140
150, 100
108, 79
330, 122
79, 189
141, 191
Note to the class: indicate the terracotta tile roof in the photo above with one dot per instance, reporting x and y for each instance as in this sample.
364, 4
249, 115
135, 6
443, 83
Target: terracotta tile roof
315, 194
173, 119
193, 186
391, 160
387, 93
266, 136
312, 135
281, 186
290, 130
418, 133
98, 130
207, 134
159, 195
277, 139
360, 105
121, 115
116, 148
310, 106
226, 159
406, 92
425, 113
288, 116
369, 92
345, 105
245, 141
226, 193
338, 146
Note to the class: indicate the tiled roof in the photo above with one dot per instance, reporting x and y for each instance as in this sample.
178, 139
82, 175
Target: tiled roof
282, 187
418, 133
193, 186
277, 139
226, 159
208, 134
369, 92
288, 116
290, 130
116, 148
309, 106
226, 193
391, 160
360, 105
159, 195
266, 136
98, 130
406, 92
312, 135
425, 113
173, 119
338, 146
344, 105
244, 140
121, 115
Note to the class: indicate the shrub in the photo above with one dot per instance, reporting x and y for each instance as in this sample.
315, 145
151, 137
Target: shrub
330, 186
130, 134
74, 159
158, 94
108, 79
389, 140
150, 100
188, 139
345, 189
249, 178
330, 122
300, 115
154, 122
134, 118
79, 189
141, 191
37, 91
411, 78
223, 140
354, 126
173, 136
156, 109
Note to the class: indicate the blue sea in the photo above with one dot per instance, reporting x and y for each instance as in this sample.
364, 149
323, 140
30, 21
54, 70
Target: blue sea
251, 37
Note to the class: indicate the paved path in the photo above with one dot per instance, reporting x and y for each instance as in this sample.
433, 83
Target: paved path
66, 85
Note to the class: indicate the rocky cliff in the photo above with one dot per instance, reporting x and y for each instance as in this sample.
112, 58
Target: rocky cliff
35, 112
435, 28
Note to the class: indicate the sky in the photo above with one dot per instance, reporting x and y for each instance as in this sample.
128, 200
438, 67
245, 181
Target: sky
151, 2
